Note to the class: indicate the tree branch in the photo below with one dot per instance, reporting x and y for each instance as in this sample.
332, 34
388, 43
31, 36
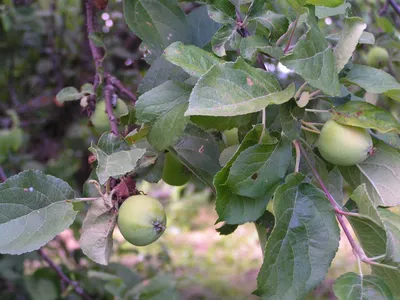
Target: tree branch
395, 6
96, 54
291, 35
64, 277
245, 33
121, 88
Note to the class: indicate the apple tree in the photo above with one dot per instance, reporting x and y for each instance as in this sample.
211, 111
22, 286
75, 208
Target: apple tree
286, 110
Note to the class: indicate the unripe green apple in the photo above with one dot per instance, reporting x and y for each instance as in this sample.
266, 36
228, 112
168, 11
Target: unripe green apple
100, 118
230, 137
174, 172
141, 220
378, 57
344, 145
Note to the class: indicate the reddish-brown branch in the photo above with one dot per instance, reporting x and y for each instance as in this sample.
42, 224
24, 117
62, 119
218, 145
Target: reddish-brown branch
242, 30
291, 35
395, 6
121, 88
64, 277
96, 54
108, 96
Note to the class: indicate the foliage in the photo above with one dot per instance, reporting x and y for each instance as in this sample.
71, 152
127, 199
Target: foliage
273, 71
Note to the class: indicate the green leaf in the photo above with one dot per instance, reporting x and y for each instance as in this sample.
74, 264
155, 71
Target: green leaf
313, 59
275, 23
390, 138
221, 11
157, 102
334, 183
233, 208
302, 244
157, 23
391, 222
226, 229
390, 277
164, 107
160, 287
328, 3
365, 115
250, 46
168, 128
159, 72
370, 79
353, 286
290, 116
96, 238
368, 227
98, 39
33, 211
68, 94
323, 12
349, 37
43, 284
365, 38
258, 171
195, 61
114, 157
199, 152
223, 123
202, 27
221, 37
381, 174
235, 88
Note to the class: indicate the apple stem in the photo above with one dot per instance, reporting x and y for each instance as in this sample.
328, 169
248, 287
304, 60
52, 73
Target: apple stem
317, 110
310, 130
297, 95
291, 34
298, 156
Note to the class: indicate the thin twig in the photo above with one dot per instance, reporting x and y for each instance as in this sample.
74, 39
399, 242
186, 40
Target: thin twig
96, 54
384, 8
395, 6
121, 88
64, 277
242, 30
3, 176
108, 96
313, 94
291, 35
310, 130
298, 156
297, 95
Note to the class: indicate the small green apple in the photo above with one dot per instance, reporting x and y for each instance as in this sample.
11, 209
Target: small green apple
141, 220
378, 57
344, 145
174, 172
100, 118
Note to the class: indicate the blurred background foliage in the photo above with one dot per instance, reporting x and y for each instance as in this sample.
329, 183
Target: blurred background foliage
43, 48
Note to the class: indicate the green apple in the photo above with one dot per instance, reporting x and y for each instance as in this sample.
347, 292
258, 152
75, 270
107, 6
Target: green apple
378, 57
230, 137
100, 118
141, 220
344, 145
174, 172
